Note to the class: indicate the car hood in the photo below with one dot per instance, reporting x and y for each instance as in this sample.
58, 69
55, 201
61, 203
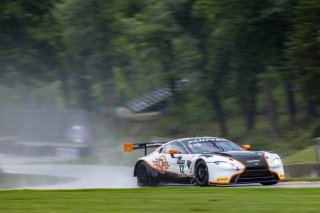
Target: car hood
250, 159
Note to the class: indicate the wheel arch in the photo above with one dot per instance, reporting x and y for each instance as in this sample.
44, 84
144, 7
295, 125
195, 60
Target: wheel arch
196, 162
195, 173
136, 167
152, 171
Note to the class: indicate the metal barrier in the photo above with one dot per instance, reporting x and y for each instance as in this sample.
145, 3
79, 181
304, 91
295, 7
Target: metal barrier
302, 170
318, 148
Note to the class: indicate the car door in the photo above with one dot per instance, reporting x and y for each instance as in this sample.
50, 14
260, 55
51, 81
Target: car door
178, 163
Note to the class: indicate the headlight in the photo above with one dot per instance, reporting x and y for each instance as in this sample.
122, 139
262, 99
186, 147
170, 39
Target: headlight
276, 161
224, 164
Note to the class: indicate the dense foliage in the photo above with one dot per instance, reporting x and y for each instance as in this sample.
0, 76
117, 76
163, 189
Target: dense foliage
233, 53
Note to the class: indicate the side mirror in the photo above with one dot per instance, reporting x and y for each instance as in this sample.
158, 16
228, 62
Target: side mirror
246, 147
172, 152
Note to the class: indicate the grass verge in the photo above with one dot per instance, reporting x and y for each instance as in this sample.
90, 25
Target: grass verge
209, 199
304, 179
303, 156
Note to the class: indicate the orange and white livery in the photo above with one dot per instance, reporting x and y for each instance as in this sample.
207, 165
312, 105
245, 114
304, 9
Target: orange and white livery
204, 161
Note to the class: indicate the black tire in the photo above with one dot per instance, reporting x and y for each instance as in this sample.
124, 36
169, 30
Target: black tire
144, 176
269, 183
201, 174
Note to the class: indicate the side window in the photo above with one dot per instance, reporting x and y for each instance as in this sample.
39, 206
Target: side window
175, 145
164, 149
160, 150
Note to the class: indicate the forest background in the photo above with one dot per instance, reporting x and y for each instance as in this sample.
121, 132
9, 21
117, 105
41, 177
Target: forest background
253, 67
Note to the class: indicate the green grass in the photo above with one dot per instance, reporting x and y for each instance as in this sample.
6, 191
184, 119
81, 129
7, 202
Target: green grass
209, 199
304, 179
8, 181
303, 156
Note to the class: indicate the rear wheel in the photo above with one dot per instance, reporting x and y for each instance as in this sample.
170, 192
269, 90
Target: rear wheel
144, 176
201, 174
269, 183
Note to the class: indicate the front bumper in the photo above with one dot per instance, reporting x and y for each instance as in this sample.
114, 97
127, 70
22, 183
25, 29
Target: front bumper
255, 175
245, 175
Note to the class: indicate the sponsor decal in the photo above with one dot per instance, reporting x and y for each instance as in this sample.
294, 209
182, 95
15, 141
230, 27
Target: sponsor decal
282, 177
181, 163
255, 162
222, 179
206, 140
161, 164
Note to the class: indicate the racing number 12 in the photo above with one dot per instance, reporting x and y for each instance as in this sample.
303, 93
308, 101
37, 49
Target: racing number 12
181, 169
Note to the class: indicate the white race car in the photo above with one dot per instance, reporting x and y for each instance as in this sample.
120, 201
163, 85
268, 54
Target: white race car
204, 161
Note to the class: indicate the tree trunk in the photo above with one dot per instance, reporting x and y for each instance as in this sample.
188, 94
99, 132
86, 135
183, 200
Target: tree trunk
272, 112
84, 96
247, 99
111, 101
83, 87
219, 113
64, 78
213, 96
250, 111
168, 66
312, 109
291, 102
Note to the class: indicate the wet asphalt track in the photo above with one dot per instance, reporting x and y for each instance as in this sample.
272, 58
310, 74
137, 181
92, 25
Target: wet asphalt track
100, 176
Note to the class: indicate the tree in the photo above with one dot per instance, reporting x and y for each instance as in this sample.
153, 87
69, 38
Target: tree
25, 58
90, 30
303, 51
194, 21
160, 41
19, 47
245, 43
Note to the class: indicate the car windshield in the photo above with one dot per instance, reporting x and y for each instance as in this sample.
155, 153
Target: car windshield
210, 146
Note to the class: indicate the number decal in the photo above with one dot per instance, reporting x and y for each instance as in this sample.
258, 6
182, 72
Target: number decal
181, 169
181, 164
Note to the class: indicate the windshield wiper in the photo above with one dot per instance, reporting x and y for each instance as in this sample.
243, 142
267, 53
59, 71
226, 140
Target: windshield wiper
220, 148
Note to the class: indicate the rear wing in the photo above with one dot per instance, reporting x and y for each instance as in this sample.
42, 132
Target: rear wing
130, 147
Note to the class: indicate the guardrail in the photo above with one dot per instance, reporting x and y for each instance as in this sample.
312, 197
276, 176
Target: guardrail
302, 170
318, 148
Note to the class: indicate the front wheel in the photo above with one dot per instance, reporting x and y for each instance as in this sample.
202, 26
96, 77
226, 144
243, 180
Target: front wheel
144, 176
269, 183
201, 174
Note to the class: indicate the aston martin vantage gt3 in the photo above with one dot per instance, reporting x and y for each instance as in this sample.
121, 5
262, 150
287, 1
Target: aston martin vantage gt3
205, 161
